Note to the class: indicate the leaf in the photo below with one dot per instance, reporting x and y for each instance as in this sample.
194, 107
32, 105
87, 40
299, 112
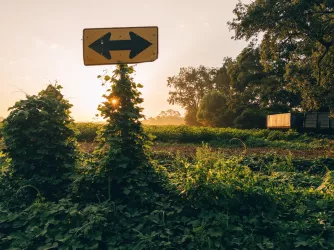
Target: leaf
49, 246
26, 114
95, 246
301, 243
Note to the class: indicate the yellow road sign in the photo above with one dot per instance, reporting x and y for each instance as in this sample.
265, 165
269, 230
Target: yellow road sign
120, 45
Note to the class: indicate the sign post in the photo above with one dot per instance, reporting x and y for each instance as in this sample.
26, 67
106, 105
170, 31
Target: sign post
102, 46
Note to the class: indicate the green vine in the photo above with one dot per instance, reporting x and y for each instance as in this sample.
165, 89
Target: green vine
123, 145
40, 141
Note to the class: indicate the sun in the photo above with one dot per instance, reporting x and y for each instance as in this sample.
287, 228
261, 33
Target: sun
114, 101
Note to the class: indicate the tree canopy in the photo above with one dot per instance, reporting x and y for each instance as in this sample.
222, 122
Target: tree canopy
190, 86
298, 35
213, 111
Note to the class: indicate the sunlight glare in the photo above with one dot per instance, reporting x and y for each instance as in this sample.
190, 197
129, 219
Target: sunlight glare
114, 101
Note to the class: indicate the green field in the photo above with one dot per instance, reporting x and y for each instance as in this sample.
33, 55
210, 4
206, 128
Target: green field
222, 137
263, 190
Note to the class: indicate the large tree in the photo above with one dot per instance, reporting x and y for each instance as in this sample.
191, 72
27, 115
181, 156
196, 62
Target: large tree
189, 87
253, 84
214, 112
299, 34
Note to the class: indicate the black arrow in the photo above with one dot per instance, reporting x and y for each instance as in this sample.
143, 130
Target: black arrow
104, 45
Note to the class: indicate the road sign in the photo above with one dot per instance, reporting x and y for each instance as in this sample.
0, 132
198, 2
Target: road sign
120, 45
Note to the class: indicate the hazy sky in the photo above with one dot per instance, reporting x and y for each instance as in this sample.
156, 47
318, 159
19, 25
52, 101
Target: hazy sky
41, 41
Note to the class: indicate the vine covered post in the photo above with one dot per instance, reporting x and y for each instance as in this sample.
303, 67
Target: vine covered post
123, 143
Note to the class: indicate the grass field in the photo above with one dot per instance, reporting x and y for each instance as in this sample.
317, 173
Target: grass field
275, 191
187, 139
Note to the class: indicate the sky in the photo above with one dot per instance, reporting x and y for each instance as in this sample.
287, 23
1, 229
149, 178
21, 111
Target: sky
41, 42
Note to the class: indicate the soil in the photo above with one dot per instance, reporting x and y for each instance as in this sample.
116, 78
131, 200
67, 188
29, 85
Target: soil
190, 150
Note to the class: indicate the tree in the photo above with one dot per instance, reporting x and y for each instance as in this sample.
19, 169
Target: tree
168, 117
252, 84
298, 33
190, 117
189, 87
213, 111
169, 113
40, 141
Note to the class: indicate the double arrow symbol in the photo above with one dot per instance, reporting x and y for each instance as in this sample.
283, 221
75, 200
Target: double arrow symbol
104, 45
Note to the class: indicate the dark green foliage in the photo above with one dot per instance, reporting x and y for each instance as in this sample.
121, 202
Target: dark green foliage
87, 131
298, 43
122, 199
214, 112
253, 85
40, 141
213, 202
251, 118
123, 151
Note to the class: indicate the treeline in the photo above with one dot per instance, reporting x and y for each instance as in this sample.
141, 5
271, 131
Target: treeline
289, 69
168, 117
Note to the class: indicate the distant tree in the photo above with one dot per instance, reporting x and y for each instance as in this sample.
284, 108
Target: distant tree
214, 112
168, 117
169, 113
189, 87
301, 35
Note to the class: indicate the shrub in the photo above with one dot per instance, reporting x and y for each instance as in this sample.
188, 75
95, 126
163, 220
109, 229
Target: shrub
251, 118
40, 142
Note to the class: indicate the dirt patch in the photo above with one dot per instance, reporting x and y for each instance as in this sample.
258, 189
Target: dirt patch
190, 150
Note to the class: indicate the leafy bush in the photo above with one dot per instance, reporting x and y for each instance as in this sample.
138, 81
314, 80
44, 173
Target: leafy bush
87, 131
251, 118
210, 202
40, 141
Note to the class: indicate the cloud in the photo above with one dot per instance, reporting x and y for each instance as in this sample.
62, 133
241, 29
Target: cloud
206, 24
182, 26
